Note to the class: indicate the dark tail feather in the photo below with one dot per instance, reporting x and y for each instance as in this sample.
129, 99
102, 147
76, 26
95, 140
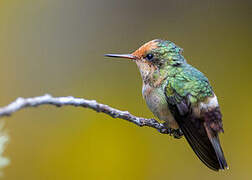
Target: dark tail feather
208, 151
218, 150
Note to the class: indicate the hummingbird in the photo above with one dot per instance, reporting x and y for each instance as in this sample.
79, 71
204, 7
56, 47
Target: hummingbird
182, 97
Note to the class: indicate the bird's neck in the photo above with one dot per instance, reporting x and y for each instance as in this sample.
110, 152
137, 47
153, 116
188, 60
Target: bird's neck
151, 75
155, 77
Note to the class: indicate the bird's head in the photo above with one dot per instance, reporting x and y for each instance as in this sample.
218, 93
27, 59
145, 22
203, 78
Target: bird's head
153, 56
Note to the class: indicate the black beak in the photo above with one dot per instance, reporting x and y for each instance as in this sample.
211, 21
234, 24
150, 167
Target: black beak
126, 56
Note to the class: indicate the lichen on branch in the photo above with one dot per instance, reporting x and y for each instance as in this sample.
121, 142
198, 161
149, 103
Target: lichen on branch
21, 103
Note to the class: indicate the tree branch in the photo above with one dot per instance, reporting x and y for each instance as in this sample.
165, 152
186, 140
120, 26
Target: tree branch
21, 103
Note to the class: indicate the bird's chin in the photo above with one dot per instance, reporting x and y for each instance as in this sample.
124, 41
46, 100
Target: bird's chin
139, 60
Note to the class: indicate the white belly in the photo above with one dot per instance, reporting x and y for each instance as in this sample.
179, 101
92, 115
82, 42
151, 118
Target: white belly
156, 101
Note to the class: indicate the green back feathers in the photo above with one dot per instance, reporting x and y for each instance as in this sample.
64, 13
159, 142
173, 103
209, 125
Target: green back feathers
186, 80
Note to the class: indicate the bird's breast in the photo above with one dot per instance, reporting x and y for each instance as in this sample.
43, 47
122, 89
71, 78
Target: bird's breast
156, 101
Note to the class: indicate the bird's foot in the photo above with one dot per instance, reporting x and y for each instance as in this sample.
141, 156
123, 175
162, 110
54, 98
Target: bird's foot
177, 133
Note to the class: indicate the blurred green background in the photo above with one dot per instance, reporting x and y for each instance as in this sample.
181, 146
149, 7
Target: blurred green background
57, 47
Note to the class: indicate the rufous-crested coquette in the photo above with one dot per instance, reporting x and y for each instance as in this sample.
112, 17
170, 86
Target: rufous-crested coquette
181, 95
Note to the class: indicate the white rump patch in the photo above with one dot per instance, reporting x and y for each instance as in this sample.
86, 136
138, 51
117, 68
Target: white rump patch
211, 102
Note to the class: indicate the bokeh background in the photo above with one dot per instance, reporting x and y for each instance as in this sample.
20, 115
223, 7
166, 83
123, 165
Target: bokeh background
57, 47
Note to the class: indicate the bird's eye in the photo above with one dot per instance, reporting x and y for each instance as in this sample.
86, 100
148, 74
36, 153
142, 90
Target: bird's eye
149, 56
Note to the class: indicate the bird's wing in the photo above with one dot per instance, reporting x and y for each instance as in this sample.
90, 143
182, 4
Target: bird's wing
191, 100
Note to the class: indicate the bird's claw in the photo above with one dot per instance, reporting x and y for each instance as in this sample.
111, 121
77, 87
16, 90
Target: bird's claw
176, 133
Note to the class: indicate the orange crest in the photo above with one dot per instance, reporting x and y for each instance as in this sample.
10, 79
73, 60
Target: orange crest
142, 51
